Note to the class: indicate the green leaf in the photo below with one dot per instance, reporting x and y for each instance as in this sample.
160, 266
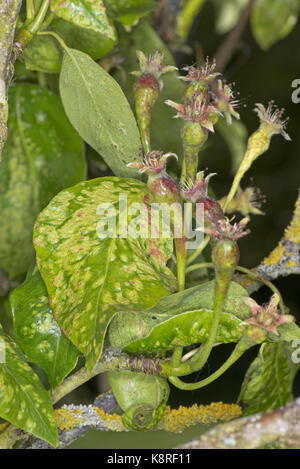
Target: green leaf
179, 320
99, 111
235, 136
23, 400
272, 20
37, 331
43, 154
44, 53
269, 380
88, 277
129, 11
165, 130
84, 13
94, 44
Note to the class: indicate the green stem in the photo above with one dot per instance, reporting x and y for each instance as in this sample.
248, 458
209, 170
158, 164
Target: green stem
201, 265
36, 24
246, 271
29, 10
236, 354
26, 34
269, 284
198, 251
190, 164
223, 280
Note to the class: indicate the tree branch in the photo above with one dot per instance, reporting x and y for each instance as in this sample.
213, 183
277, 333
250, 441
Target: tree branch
280, 428
9, 11
74, 421
233, 40
283, 260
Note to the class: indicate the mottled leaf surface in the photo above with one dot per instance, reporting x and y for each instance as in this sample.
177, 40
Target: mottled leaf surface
269, 379
45, 54
99, 111
88, 14
37, 332
88, 278
43, 154
23, 400
272, 20
181, 319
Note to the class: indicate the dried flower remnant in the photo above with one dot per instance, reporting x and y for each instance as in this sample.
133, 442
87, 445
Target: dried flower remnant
266, 317
197, 110
247, 202
226, 102
193, 192
198, 78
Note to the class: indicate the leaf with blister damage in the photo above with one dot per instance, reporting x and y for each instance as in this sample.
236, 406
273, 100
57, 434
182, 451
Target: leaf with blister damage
84, 13
269, 380
23, 400
181, 319
43, 154
38, 333
90, 277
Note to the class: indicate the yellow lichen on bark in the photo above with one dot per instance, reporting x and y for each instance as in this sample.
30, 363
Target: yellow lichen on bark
67, 419
113, 421
177, 420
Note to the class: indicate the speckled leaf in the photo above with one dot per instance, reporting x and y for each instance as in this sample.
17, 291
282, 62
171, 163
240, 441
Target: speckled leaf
88, 278
23, 400
180, 319
43, 154
99, 111
272, 20
84, 13
269, 380
165, 131
45, 54
38, 333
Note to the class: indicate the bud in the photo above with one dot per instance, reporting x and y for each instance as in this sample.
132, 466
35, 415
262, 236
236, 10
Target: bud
225, 102
225, 254
259, 142
161, 186
199, 78
147, 89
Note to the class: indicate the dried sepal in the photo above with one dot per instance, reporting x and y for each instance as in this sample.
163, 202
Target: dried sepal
194, 191
197, 110
267, 317
203, 73
271, 119
152, 65
247, 202
226, 102
154, 162
221, 228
